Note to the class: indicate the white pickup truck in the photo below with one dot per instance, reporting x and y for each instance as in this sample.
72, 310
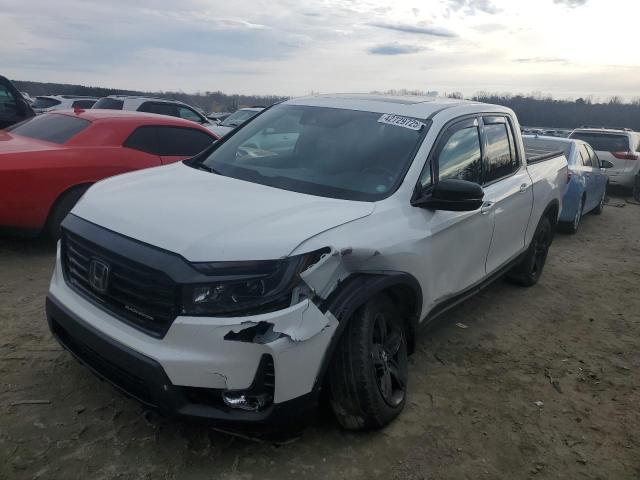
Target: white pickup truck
302, 251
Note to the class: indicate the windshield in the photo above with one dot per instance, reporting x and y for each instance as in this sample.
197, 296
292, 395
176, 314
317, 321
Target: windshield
45, 102
328, 152
238, 117
50, 127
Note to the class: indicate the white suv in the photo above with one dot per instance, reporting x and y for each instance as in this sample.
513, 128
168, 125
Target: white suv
620, 146
161, 106
47, 103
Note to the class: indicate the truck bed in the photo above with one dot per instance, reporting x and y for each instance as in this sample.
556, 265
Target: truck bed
539, 154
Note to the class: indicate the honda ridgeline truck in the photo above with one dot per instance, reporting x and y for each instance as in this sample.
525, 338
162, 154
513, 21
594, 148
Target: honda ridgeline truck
301, 252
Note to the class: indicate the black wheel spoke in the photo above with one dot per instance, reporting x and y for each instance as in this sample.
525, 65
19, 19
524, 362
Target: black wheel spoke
380, 330
396, 374
392, 345
386, 387
376, 355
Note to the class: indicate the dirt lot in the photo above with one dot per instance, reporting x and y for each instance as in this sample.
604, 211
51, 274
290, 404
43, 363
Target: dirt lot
572, 343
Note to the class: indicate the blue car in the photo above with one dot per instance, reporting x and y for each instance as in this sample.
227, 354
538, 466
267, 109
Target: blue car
587, 183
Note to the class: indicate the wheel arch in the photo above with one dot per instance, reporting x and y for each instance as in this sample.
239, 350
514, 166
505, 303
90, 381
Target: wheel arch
353, 292
552, 212
62, 195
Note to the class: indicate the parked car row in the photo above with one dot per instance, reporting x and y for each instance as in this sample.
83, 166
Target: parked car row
302, 253
49, 161
220, 124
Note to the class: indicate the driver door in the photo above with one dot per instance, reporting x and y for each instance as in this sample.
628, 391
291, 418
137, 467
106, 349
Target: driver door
455, 245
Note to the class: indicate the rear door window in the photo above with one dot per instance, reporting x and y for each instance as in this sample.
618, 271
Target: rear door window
159, 108
51, 128
182, 142
595, 161
500, 156
586, 158
144, 139
604, 142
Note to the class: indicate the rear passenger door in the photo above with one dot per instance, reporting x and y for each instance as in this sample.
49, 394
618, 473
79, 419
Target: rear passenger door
180, 143
508, 191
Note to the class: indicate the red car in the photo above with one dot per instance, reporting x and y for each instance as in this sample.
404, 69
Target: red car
49, 161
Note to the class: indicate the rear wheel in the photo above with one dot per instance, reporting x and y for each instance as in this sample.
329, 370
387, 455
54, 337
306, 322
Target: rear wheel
572, 227
368, 375
528, 272
598, 210
60, 210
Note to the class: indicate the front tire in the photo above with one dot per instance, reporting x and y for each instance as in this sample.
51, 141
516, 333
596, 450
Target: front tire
369, 370
528, 272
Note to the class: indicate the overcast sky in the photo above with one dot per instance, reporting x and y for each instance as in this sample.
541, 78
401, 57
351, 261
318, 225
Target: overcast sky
568, 48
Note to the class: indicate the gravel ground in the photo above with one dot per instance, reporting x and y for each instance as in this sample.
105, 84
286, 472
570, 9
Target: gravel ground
543, 383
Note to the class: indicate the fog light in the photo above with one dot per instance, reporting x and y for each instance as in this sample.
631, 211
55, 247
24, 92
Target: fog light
242, 401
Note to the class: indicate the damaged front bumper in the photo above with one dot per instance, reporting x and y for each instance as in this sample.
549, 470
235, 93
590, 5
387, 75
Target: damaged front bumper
200, 359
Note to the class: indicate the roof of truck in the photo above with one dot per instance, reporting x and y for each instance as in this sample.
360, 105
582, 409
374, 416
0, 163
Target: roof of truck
409, 105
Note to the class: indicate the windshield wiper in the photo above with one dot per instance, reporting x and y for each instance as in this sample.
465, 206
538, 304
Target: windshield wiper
206, 168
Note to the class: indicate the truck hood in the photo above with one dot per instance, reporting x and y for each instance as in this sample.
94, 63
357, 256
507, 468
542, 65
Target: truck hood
207, 217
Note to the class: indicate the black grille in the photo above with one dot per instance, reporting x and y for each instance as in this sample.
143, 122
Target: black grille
124, 380
141, 296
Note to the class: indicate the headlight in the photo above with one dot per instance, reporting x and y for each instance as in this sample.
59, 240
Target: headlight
249, 288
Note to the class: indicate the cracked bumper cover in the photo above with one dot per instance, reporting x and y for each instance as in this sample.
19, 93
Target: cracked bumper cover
195, 353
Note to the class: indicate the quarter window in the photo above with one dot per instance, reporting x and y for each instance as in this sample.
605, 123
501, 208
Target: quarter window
182, 142
144, 139
188, 114
460, 157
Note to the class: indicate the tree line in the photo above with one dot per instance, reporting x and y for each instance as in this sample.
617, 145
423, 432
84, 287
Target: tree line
532, 110
547, 112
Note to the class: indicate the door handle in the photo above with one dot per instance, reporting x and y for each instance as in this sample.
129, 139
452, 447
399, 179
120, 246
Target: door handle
524, 187
486, 207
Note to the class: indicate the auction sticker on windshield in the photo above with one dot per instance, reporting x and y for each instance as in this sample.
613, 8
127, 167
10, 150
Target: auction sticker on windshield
400, 121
